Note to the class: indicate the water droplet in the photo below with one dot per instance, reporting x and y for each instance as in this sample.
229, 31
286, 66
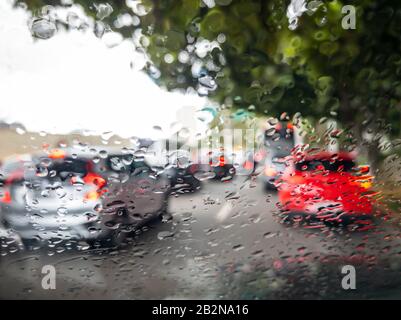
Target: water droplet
221, 38
208, 82
238, 247
164, 235
168, 58
294, 11
157, 128
106, 135
103, 154
96, 159
112, 39
272, 121
60, 192
183, 57
270, 132
269, 235
103, 10
20, 130
43, 29
62, 211
73, 20
233, 196
42, 171
99, 29
184, 133
202, 176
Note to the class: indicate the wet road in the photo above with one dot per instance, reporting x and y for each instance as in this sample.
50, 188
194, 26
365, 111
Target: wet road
224, 241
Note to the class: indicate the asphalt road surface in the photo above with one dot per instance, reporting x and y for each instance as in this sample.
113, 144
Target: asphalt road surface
223, 242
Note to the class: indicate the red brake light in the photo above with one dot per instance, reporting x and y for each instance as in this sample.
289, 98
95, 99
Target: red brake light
364, 169
222, 161
56, 154
296, 179
99, 182
6, 197
95, 194
248, 165
95, 179
270, 172
92, 195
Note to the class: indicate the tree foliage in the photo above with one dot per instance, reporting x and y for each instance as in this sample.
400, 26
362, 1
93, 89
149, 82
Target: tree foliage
244, 54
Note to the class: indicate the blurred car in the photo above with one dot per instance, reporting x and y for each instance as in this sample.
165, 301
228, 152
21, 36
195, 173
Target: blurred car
184, 169
76, 195
279, 142
273, 169
245, 162
172, 163
179, 172
215, 165
280, 136
325, 186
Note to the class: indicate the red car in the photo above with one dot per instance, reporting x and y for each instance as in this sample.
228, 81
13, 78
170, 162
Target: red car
325, 186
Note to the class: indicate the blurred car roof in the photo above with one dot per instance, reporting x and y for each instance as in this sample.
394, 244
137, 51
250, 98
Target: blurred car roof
323, 155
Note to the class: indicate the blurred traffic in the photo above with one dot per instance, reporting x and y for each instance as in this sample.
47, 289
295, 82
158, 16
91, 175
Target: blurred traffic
102, 194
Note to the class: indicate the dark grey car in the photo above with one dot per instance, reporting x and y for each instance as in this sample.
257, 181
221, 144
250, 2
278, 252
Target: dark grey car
82, 197
278, 141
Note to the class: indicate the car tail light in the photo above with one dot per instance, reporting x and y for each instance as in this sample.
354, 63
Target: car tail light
296, 179
94, 194
366, 182
95, 179
222, 161
248, 165
56, 154
270, 172
364, 169
6, 197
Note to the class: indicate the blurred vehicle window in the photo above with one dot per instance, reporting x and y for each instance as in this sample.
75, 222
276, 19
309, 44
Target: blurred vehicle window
334, 166
120, 163
64, 168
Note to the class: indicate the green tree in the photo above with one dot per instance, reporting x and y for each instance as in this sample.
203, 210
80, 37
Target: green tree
245, 53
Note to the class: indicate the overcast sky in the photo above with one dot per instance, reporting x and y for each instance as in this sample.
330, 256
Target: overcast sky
74, 81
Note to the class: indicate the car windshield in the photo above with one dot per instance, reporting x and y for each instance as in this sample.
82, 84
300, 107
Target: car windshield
120, 163
281, 134
211, 149
281, 152
62, 169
